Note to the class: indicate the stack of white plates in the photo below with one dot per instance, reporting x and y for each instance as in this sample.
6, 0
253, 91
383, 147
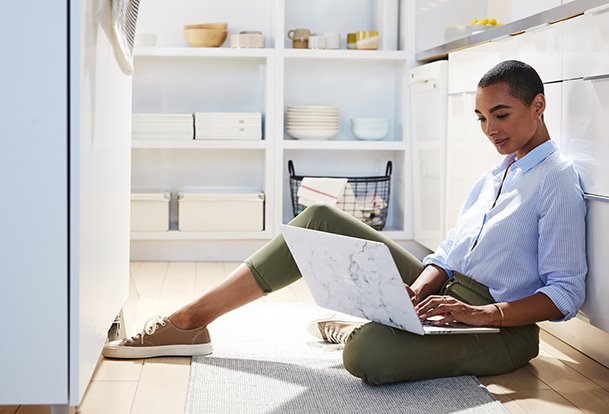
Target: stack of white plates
312, 122
162, 126
228, 125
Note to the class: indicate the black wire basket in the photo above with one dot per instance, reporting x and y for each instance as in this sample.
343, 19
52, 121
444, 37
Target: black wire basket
365, 198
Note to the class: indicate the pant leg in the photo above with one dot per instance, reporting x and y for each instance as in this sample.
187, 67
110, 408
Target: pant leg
380, 354
273, 266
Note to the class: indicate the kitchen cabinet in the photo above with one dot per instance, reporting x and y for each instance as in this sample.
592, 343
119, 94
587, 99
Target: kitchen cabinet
585, 126
585, 123
542, 48
174, 78
429, 94
65, 162
586, 44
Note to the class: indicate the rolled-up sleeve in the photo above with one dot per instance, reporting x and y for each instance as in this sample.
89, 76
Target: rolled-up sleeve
562, 240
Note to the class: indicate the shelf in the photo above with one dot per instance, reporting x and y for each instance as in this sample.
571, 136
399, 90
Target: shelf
198, 144
553, 15
345, 145
222, 52
391, 55
201, 235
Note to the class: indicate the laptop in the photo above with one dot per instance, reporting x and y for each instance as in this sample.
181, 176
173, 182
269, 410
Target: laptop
359, 278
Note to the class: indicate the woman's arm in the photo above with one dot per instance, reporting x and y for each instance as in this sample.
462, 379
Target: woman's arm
429, 281
535, 308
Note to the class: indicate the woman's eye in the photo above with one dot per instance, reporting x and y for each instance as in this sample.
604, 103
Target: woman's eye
481, 119
502, 116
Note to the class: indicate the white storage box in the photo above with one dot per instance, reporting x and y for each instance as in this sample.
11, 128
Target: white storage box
220, 211
150, 210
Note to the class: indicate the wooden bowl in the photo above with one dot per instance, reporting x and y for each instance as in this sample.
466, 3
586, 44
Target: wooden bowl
215, 26
205, 37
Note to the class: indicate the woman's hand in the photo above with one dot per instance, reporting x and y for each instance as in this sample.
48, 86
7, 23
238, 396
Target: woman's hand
453, 310
414, 297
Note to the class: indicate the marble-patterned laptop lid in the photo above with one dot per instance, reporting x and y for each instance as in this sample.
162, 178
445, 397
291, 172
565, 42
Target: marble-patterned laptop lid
354, 276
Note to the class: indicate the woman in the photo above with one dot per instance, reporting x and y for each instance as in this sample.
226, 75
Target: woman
515, 257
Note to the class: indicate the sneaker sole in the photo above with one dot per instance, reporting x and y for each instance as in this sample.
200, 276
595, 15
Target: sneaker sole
128, 352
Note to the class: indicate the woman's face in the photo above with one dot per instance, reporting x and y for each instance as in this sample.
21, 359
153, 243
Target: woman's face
507, 122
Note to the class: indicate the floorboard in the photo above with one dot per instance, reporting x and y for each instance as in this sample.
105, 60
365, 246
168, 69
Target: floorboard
561, 380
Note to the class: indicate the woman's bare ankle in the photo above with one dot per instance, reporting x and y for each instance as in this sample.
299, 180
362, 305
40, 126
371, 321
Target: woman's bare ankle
185, 320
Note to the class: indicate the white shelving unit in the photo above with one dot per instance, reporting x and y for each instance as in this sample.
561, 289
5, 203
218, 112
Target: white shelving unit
174, 78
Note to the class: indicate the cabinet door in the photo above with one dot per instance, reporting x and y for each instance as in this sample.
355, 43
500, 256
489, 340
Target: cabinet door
466, 67
469, 153
596, 306
585, 126
542, 48
586, 45
503, 49
553, 113
429, 160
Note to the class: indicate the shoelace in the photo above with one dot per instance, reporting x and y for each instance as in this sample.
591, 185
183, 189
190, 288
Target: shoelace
337, 338
150, 328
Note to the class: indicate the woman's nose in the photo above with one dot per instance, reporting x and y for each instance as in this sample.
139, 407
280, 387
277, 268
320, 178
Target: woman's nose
490, 128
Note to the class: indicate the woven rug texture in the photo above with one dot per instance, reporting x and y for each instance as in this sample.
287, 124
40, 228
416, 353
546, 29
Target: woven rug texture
264, 361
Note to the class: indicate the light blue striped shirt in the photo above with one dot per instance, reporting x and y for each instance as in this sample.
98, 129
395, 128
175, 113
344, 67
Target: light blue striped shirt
532, 241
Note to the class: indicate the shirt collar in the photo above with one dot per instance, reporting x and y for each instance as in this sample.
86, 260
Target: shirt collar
534, 157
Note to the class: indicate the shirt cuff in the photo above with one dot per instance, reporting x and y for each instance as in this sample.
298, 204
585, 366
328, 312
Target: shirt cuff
562, 301
430, 260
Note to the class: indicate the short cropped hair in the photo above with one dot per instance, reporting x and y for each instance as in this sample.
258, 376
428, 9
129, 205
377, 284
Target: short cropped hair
522, 80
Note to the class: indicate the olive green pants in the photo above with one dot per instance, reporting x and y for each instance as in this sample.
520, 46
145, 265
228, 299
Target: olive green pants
379, 354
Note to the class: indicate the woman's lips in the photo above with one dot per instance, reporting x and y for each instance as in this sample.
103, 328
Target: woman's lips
500, 142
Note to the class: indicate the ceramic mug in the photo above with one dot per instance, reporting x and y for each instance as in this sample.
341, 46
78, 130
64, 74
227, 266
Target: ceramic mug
367, 40
300, 44
317, 42
332, 40
352, 41
301, 34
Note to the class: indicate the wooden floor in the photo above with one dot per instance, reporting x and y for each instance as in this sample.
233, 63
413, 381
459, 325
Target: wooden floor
560, 380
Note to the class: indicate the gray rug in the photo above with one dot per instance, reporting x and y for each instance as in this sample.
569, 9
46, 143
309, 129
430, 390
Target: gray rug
264, 361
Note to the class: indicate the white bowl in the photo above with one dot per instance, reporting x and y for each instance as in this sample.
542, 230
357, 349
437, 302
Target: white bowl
368, 121
313, 128
371, 126
313, 124
312, 118
313, 108
373, 134
319, 134
311, 112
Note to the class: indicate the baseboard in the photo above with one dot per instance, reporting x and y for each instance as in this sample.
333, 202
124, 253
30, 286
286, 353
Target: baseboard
582, 336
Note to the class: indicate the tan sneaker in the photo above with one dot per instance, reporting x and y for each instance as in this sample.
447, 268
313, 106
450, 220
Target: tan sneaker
332, 329
160, 337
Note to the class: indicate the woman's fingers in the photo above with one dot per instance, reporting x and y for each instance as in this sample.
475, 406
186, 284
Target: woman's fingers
413, 296
434, 305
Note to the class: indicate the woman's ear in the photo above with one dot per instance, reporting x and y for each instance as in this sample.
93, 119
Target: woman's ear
539, 104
